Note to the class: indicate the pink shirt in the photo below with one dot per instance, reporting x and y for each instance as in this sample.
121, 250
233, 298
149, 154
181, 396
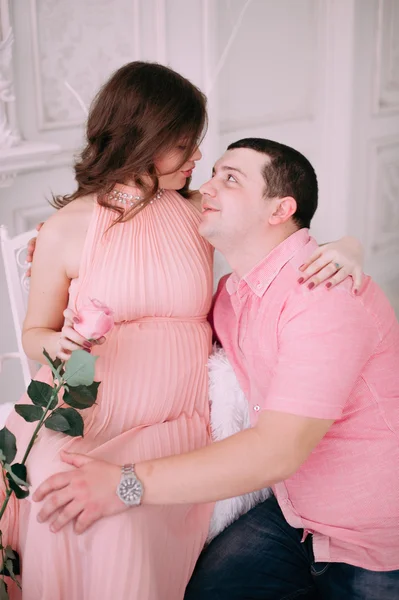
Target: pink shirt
330, 355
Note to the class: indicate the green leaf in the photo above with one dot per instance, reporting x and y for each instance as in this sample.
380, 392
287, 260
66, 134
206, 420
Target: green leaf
29, 412
53, 364
18, 474
10, 553
56, 422
79, 369
81, 396
40, 394
11, 568
3, 590
18, 490
67, 420
8, 444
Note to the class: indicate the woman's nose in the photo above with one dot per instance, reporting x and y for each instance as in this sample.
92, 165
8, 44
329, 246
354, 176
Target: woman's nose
197, 155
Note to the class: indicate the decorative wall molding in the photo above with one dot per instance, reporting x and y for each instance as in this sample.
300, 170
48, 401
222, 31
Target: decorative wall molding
297, 106
79, 25
15, 155
300, 114
386, 80
211, 143
160, 32
24, 157
206, 33
7, 179
383, 200
27, 218
9, 137
136, 29
9, 134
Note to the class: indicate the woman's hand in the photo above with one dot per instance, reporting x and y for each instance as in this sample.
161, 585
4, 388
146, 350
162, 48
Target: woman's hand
334, 262
70, 339
83, 495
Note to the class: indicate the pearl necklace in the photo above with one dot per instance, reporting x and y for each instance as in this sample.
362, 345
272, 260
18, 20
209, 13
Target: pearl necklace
129, 199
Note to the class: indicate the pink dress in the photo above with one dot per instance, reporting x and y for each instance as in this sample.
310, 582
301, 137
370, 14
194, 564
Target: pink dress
155, 272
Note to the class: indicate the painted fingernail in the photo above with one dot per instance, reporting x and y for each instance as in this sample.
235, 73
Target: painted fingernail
301, 280
328, 285
76, 320
311, 285
87, 344
355, 292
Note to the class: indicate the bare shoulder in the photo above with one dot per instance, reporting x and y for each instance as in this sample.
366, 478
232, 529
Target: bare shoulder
62, 237
195, 199
68, 221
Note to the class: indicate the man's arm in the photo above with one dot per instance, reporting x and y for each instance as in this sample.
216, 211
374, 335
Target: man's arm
324, 344
247, 461
270, 452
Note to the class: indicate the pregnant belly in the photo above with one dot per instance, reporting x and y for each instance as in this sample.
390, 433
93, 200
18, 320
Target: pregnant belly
151, 373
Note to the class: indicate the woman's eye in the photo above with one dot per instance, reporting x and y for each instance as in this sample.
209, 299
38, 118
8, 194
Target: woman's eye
231, 178
183, 148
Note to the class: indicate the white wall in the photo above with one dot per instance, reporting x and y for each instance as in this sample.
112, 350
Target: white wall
321, 75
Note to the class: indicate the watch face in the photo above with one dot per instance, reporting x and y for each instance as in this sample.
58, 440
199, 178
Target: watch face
130, 490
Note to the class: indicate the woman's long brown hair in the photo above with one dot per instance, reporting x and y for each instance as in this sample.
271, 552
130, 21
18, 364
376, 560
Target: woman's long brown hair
142, 112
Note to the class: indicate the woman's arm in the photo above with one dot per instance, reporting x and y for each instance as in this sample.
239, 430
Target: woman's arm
56, 262
331, 263
48, 295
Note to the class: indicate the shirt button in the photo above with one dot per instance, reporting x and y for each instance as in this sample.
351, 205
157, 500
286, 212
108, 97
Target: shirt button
256, 407
258, 285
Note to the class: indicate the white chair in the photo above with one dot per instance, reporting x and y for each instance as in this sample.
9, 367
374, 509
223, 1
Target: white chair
14, 252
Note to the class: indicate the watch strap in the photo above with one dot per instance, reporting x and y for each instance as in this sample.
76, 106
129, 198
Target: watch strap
128, 471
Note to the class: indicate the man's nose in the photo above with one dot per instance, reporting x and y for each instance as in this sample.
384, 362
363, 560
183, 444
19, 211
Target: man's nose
208, 188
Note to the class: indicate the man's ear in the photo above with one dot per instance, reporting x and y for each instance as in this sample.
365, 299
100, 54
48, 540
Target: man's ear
283, 210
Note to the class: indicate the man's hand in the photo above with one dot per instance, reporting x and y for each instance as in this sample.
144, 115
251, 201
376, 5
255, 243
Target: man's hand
85, 494
31, 249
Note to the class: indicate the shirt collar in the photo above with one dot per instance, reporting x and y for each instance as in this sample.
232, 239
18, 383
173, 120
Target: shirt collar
263, 274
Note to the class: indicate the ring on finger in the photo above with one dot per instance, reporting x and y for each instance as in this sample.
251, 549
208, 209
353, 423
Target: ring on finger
337, 266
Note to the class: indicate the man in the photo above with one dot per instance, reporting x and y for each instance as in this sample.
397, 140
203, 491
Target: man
320, 372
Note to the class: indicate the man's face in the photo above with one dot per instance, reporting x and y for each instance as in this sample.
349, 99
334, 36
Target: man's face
233, 202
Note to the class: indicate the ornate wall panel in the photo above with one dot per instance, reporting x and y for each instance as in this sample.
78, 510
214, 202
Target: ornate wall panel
384, 197
270, 73
386, 88
80, 43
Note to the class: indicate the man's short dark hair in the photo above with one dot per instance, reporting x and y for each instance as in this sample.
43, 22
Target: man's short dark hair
287, 173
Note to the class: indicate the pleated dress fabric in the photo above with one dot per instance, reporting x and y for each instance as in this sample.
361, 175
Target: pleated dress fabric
155, 272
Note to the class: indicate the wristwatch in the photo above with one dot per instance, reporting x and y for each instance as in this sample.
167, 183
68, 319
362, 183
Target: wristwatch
130, 489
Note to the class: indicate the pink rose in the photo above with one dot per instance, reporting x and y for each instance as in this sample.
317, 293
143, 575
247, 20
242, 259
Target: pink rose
95, 320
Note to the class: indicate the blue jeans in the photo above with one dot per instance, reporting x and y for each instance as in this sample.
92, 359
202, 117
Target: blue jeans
261, 557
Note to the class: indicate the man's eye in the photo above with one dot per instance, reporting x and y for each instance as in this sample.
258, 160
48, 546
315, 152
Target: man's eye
231, 178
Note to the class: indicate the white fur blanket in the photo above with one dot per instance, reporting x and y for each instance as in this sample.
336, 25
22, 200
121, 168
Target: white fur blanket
229, 415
